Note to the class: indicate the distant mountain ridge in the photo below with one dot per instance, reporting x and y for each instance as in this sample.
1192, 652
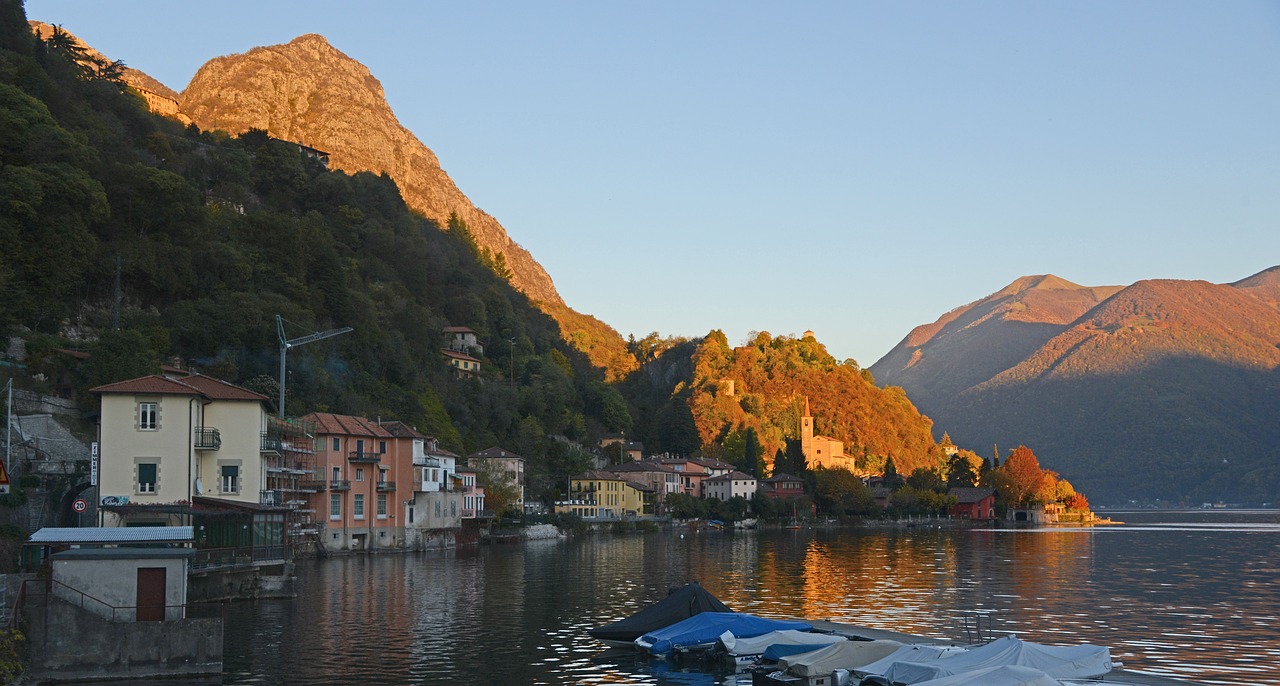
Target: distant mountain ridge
1168, 374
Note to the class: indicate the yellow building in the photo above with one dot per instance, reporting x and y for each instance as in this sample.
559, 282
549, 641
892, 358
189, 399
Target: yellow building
822, 451
604, 495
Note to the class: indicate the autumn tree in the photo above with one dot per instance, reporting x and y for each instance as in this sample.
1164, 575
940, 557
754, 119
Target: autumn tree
1024, 476
892, 480
960, 472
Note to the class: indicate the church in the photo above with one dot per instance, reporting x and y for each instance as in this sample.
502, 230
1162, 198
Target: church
822, 451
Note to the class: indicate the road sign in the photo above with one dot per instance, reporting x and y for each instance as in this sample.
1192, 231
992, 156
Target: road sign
4, 478
93, 464
79, 505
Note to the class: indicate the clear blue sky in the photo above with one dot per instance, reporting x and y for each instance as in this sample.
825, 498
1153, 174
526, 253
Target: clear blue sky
857, 168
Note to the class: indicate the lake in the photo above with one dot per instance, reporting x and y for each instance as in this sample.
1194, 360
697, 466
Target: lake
1187, 594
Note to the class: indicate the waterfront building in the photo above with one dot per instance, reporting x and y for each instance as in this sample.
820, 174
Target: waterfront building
690, 473
733, 484
603, 495
822, 451
501, 465
973, 503
658, 478
363, 465
472, 493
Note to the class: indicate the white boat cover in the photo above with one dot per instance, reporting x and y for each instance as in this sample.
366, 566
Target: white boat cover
1004, 675
843, 655
754, 646
908, 653
1061, 662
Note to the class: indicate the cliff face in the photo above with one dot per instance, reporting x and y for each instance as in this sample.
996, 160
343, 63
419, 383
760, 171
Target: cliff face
309, 92
1162, 389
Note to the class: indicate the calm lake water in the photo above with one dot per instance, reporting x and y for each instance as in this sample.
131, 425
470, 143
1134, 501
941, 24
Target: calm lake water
1194, 595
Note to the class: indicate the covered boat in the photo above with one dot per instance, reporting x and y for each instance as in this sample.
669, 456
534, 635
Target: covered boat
908, 653
1004, 675
680, 603
848, 655
1060, 662
774, 644
704, 629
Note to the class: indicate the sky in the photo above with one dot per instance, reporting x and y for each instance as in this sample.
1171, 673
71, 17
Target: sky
854, 168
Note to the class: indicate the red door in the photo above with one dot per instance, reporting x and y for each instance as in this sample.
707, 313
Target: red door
151, 583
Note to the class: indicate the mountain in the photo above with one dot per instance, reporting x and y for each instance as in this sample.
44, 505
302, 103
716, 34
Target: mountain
1164, 389
309, 92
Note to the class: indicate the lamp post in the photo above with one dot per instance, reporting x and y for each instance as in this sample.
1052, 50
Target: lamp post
513, 361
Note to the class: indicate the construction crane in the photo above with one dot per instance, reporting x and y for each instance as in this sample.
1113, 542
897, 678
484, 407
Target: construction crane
286, 343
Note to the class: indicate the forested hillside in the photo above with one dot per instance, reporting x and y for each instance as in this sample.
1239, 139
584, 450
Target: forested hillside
747, 402
210, 237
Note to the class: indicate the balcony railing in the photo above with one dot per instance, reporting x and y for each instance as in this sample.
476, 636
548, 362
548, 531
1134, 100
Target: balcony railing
308, 484
206, 438
339, 485
386, 486
271, 443
363, 456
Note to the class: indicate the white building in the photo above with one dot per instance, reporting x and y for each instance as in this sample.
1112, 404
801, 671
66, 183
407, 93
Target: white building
735, 484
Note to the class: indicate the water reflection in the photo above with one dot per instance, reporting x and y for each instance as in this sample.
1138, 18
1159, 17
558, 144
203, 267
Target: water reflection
1198, 600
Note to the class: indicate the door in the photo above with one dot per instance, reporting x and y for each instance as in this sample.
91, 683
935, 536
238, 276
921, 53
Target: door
151, 583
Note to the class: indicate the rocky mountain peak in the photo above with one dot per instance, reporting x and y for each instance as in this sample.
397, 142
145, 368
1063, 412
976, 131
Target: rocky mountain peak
308, 91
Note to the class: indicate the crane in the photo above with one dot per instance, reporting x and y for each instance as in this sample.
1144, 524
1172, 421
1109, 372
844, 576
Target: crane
286, 343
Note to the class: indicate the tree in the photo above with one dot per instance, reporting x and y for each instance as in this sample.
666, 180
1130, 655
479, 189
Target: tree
1025, 477
500, 491
891, 479
922, 479
960, 472
751, 461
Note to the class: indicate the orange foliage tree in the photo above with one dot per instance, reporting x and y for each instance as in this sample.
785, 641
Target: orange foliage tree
1024, 479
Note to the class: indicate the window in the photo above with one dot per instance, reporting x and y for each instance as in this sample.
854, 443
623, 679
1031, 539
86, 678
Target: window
337, 474
148, 415
357, 507
230, 479
359, 474
382, 447
382, 506
335, 506
147, 477
382, 476
360, 446
337, 447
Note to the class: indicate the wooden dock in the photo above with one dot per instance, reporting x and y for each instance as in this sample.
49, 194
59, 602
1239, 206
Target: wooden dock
1115, 676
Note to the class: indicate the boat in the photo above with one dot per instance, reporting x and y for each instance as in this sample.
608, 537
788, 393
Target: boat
1003, 675
745, 524
680, 603
745, 652
701, 631
824, 667
1060, 662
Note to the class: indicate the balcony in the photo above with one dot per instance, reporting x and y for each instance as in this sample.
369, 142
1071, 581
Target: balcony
339, 485
386, 486
308, 484
364, 456
205, 438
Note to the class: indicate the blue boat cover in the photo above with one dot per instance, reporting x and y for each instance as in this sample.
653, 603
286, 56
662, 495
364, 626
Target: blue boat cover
706, 627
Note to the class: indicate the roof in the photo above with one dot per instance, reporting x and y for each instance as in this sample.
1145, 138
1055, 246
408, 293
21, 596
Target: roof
399, 429
494, 453
967, 496
641, 466
780, 478
457, 355
113, 534
196, 384
598, 475
123, 553
711, 464
459, 329
346, 425
735, 475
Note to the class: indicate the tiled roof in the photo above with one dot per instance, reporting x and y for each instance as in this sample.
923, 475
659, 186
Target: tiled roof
152, 384
642, 467
733, 476
598, 475
196, 384
778, 478
346, 425
458, 329
221, 390
968, 496
399, 429
711, 464
457, 355
113, 534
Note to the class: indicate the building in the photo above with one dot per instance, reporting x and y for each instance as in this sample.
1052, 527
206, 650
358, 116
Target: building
363, 465
472, 493
463, 339
604, 495
734, 484
165, 441
656, 477
781, 486
690, 474
501, 466
433, 502
973, 503
464, 365
822, 451
630, 450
